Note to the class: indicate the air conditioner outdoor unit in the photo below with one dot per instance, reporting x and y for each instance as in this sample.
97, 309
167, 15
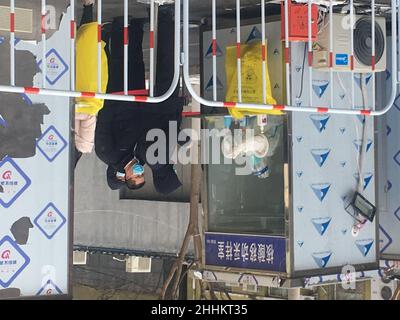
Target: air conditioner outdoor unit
342, 44
79, 258
138, 265
383, 290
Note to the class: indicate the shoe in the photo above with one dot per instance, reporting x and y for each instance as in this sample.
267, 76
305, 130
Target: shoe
167, 9
164, 7
87, 3
159, 2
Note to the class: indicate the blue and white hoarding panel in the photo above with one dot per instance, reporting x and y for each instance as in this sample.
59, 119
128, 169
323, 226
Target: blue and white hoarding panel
389, 177
35, 173
245, 251
326, 151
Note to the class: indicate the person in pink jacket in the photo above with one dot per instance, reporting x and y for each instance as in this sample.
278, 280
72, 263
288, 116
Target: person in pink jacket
86, 109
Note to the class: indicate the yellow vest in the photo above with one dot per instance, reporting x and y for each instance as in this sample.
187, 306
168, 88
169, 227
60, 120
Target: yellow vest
86, 69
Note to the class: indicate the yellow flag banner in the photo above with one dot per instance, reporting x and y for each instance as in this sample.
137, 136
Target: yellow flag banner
251, 65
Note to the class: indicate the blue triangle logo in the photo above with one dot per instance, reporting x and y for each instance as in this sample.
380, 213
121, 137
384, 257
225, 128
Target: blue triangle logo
389, 185
364, 246
388, 74
320, 87
321, 190
210, 84
300, 243
367, 177
320, 121
300, 209
343, 163
209, 53
321, 224
299, 139
320, 155
342, 130
255, 35
369, 144
299, 174
344, 231
361, 119
322, 259
358, 144
388, 130
357, 79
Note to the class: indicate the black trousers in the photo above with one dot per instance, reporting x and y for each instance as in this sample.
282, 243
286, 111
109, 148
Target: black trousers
87, 16
136, 66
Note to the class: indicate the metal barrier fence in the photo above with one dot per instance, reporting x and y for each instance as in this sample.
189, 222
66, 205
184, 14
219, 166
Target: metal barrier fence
289, 107
184, 59
125, 96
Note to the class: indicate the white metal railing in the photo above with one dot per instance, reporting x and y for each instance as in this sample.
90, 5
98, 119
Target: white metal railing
44, 48
289, 107
125, 96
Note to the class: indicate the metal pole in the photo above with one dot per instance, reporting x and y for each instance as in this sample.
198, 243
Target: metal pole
12, 42
214, 48
72, 44
238, 52
373, 62
44, 49
287, 53
152, 67
126, 43
352, 53
331, 51
264, 53
310, 52
99, 44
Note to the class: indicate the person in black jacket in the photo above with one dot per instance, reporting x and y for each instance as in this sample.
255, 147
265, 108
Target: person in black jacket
122, 127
